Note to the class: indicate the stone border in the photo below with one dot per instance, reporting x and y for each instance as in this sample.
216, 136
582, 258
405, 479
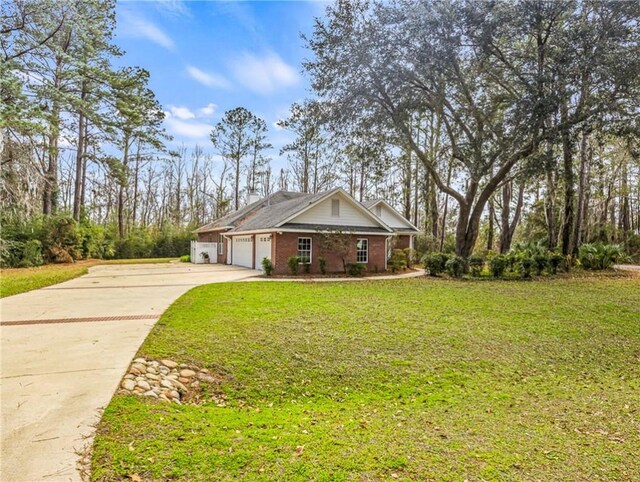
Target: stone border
168, 381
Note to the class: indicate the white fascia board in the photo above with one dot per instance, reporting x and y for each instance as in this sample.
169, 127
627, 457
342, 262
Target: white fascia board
396, 211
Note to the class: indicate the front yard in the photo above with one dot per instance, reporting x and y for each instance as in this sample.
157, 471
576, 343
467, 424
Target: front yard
392, 380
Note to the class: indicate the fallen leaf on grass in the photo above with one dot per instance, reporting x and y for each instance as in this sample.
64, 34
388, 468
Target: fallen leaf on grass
298, 451
135, 478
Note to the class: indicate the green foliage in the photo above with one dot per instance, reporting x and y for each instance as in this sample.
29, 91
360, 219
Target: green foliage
410, 256
632, 246
600, 256
32, 254
476, 265
435, 263
356, 269
185, 258
294, 264
455, 266
526, 266
61, 239
267, 266
398, 260
168, 242
322, 264
498, 265
555, 260
541, 262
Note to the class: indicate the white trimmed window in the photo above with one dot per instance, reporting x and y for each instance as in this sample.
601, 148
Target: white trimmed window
304, 250
220, 245
335, 208
362, 250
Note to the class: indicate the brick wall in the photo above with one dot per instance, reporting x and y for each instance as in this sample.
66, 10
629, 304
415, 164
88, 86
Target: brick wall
286, 244
403, 241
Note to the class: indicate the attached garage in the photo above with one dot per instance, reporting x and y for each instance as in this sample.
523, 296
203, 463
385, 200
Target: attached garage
242, 251
263, 249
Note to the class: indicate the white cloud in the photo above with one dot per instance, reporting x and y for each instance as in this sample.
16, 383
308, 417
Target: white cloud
206, 78
263, 75
172, 8
191, 130
181, 112
208, 110
139, 27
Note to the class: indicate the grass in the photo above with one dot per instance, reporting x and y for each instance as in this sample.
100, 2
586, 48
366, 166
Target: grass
20, 280
413, 379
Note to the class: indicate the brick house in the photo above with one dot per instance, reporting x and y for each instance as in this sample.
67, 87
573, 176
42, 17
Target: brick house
286, 224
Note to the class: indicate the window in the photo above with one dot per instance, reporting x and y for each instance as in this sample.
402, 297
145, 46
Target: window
335, 207
362, 251
220, 241
304, 250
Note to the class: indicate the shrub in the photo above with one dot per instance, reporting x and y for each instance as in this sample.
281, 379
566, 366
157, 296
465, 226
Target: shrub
498, 265
555, 260
455, 266
322, 264
512, 261
526, 265
31, 254
306, 267
398, 260
410, 256
185, 258
476, 265
294, 264
600, 256
61, 239
267, 266
541, 262
356, 269
435, 263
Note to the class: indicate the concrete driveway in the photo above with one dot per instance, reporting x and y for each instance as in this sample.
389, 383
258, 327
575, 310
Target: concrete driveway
64, 351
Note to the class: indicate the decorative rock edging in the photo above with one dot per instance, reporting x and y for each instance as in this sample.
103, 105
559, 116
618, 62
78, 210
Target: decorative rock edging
166, 380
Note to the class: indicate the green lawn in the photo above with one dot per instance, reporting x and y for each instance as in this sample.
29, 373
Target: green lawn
414, 379
19, 280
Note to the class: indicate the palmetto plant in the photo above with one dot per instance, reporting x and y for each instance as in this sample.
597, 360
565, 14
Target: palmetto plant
598, 256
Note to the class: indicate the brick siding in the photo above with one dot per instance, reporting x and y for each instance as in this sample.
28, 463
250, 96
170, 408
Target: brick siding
285, 245
403, 241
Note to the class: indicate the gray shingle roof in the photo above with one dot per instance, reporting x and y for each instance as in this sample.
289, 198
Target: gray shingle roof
272, 215
236, 217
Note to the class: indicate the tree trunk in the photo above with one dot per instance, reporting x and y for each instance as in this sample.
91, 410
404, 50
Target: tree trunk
569, 189
121, 187
582, 190
134, 214
77, 195
508, 227
491, 229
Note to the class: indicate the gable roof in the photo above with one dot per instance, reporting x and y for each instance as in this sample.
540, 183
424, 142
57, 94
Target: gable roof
235, 218
277, 215
370, 204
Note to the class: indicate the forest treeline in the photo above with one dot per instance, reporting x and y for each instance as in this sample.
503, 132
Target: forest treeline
484, 123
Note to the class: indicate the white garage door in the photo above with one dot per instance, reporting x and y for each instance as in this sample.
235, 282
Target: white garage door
242, 254
263, 248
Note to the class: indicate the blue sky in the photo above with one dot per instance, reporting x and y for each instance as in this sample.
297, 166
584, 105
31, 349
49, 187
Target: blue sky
207, 57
